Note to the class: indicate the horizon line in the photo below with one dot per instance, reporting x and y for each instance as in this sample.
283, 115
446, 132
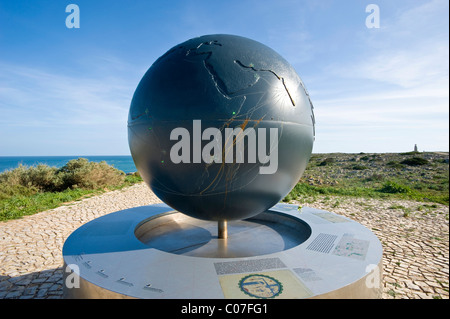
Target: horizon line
334, 152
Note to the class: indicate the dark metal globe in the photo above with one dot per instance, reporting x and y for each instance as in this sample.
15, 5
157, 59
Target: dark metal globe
221, 127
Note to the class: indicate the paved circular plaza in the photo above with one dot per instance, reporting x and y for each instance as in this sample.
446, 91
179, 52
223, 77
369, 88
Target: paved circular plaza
414, 235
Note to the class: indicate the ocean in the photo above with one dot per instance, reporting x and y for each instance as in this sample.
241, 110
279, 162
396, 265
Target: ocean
122, 162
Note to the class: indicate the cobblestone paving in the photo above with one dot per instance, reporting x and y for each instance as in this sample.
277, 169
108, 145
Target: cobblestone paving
415, 240
31, 262
414, 237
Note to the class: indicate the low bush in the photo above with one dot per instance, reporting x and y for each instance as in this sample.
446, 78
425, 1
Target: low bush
375, 178
77, 173
28, 190
41, 177
395, 164
81, 173
415, 161
357, 167
8, 191
327, 161
394, 188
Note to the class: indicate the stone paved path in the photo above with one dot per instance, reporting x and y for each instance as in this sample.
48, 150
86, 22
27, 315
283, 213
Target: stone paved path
415, 240
414, 237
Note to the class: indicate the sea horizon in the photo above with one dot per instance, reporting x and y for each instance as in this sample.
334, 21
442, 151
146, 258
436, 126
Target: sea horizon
124, 163
121, 162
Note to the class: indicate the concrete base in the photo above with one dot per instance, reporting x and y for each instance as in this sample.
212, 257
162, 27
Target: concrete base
155, 252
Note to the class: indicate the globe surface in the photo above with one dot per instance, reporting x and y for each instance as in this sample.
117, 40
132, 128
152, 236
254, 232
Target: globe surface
221, 127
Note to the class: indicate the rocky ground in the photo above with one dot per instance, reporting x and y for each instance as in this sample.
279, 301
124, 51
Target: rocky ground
415, 238
418, 170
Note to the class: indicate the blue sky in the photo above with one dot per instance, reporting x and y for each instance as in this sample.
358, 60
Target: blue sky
67, 91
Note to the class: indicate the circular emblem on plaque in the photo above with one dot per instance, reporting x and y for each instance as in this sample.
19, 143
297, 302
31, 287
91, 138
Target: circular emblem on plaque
260, 286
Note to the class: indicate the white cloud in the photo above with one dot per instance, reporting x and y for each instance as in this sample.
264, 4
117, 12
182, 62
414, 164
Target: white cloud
52, 113
397, 92
416, 66
411, 50
32, 96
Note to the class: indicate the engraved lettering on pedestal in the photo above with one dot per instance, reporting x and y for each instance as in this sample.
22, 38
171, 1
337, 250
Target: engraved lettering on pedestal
101, 273
322, 243
123, 282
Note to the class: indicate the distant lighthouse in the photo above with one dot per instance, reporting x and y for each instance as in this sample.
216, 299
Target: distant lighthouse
415, 148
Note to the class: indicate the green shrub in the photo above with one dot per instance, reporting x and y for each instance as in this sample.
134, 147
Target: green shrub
15, 176
395, 164
28, 190
8, 191
442, 161
375, 177
41, 177
395, 188
80, 173
415, 161
133, 178
357, 167
327, 161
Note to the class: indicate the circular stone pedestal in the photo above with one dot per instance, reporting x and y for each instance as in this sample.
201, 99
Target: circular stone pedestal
155, 252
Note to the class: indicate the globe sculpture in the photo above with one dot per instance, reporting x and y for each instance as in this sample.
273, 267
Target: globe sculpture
221, 127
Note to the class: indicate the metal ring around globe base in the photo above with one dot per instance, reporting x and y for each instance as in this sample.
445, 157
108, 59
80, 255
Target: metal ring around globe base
134, 254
